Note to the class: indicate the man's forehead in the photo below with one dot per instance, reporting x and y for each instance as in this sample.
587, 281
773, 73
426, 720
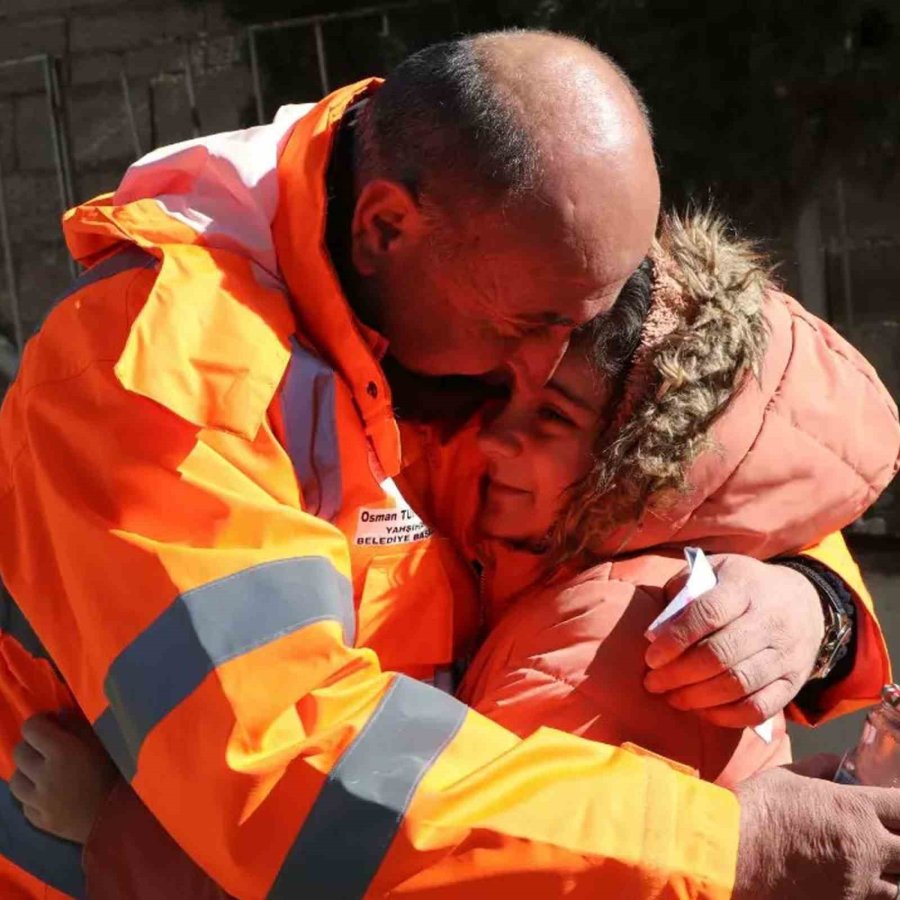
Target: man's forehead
563, 306
584, 253
555, 256
603, 212
542, 273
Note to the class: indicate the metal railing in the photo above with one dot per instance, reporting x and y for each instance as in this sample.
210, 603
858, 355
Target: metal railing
9, 359
63, 166
382, 13
245, 44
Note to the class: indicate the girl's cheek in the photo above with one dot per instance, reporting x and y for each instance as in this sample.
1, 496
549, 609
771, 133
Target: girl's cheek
568, 466
554, 471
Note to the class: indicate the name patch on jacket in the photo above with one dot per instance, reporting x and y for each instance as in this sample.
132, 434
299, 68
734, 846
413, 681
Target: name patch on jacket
381, 526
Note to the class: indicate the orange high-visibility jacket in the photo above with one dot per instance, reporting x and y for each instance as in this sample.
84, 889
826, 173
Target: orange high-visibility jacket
201, 530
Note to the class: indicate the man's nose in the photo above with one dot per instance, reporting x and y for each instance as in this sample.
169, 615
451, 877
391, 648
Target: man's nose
537, 357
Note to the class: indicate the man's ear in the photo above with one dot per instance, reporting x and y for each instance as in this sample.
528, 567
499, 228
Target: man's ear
386, 219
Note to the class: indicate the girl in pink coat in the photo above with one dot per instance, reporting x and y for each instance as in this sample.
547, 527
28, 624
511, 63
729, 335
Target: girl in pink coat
740, 424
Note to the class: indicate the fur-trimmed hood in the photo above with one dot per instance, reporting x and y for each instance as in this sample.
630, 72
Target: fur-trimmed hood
745, 424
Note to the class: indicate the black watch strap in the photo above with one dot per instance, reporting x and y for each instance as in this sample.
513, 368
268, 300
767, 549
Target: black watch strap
839, 608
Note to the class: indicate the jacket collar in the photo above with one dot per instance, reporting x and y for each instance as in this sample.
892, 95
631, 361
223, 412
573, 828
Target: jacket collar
325, 316
251, 204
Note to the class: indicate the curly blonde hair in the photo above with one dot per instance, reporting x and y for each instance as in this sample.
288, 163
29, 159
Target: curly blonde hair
713, 284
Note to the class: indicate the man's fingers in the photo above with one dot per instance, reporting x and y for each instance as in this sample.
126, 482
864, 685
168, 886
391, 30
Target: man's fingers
22, 788
883, 890
741, 680
892, 854
711, 657
28, 760
886, 803
752, 710
46, 735
705, 616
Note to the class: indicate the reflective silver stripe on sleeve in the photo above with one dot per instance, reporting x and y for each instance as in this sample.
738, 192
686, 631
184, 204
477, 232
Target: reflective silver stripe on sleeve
310, 423
131, 257
206, 627
361, 806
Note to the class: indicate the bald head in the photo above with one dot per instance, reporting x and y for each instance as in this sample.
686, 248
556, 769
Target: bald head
589, 131
511, 176
493, 108
506, 116
536, 70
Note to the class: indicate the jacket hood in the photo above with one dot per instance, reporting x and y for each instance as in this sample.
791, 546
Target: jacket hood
237, 224
744, 423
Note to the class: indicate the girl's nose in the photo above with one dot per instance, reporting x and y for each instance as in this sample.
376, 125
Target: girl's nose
500, 437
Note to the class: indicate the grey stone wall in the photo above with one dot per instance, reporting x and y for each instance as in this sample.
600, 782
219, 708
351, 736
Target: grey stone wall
864, 298
841, 259
95, 42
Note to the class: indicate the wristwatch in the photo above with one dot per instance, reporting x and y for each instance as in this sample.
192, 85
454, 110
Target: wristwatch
837, 607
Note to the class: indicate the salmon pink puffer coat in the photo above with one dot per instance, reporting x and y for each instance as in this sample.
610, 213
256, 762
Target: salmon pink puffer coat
779, 433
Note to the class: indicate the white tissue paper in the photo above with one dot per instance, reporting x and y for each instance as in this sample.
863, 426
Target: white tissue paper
701, 578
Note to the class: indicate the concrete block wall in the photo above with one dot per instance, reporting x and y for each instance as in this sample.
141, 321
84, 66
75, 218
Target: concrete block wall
95, 41
872, 224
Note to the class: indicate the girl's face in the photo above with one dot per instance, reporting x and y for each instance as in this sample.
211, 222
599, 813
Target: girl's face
538, 445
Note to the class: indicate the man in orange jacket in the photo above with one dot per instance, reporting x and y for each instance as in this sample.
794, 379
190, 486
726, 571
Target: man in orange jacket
197, 464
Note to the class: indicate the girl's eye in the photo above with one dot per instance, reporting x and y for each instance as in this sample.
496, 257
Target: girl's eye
553, 415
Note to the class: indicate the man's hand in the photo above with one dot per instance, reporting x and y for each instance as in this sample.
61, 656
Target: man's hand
62, 776
805, 837
741, 652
